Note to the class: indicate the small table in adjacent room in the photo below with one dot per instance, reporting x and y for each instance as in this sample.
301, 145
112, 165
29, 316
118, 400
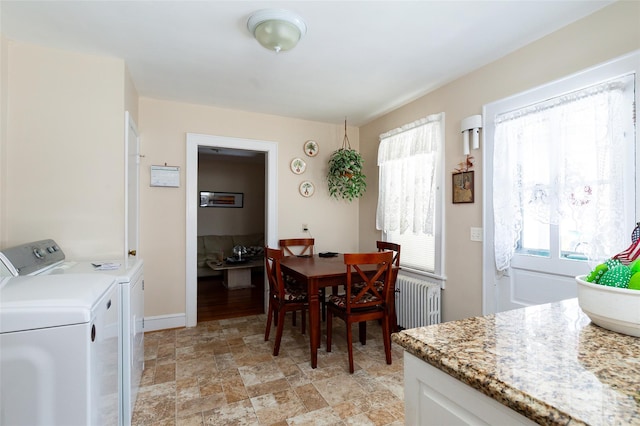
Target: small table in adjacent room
236, 275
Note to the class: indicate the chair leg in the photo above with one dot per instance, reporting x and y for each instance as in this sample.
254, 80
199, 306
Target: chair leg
303, 313
293, 318
350, 346
269, 314
329, 322
276, 346
362, 332
393, 324
323, 303
386, 338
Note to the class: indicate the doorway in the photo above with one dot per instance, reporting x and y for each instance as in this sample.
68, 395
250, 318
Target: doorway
194, 141
240, 174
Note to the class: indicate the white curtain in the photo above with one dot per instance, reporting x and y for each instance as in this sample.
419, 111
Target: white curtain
562, 158
407, 161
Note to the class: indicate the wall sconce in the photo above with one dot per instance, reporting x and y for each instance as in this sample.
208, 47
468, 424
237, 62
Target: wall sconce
277, 29
471, 125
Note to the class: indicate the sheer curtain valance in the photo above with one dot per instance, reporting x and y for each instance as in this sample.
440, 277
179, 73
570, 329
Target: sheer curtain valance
563, 158
407, 162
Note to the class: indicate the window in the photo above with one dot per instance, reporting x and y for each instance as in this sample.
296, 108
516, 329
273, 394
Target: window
564, 180
410, 202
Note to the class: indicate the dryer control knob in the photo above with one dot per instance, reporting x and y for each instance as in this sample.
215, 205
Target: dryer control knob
38, 253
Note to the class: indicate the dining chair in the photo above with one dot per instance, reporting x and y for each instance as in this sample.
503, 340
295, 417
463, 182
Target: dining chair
282, 298
369, 302
301, 247
395, 249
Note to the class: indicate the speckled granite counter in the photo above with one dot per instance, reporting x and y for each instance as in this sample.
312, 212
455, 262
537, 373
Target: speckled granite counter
548, 363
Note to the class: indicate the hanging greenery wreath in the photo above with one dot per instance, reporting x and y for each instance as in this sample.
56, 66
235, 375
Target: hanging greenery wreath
345, 177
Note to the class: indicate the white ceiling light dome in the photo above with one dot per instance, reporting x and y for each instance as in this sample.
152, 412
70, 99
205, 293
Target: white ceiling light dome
277, 29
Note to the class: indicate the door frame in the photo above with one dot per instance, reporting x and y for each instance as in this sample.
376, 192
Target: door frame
194, 140
131, 184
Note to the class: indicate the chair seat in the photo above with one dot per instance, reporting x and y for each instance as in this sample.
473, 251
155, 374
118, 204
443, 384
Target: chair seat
294, 293
357, 287
340, 300
292, 282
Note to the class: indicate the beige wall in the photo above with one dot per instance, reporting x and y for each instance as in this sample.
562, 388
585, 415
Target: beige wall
232, 174
606, 34
130, 96
64, 151
4, 77
163, 128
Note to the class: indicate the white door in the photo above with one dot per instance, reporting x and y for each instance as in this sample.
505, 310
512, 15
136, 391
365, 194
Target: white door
132, 190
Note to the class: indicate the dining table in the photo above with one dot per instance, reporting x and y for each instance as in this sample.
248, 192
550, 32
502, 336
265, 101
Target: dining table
316, 271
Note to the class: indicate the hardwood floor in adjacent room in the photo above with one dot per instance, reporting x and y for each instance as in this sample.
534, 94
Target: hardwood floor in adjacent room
216, 302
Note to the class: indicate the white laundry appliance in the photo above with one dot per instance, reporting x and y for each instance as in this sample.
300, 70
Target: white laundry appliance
129, 276
59, 350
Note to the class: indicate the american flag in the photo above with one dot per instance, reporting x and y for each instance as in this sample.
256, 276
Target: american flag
633, 251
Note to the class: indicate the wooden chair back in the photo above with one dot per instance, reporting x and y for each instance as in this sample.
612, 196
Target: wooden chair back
272, 259
368, 293
297, 246
395, 248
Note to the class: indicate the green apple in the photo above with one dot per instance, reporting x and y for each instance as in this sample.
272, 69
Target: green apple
634, 266
634, 282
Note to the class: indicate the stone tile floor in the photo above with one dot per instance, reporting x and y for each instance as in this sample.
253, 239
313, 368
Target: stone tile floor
223, 373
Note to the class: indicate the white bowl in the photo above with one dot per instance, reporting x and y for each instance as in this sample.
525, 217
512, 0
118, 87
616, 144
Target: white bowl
616, 309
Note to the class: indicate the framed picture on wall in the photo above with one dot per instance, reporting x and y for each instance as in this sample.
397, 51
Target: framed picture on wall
221, 199
463, 184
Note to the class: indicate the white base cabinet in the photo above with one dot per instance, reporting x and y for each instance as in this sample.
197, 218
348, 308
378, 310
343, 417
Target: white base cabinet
432, 397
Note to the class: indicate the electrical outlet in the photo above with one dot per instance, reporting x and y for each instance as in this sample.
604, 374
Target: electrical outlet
476, 234
305, 227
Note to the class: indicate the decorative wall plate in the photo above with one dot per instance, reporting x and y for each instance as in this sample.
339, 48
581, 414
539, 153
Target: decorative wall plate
298, 166
311, 148
307, 189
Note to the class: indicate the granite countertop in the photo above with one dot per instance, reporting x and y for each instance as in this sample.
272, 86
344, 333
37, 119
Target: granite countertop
547, 362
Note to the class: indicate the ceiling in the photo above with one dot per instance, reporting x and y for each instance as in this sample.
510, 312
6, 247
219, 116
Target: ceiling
358, 60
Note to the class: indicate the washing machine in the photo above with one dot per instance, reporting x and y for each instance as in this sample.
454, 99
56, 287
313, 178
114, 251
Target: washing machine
129, 276
59, 350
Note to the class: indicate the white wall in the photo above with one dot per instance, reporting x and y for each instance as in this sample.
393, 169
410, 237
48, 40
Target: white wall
611, 32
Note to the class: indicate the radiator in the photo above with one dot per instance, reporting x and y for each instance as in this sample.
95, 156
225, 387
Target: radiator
417, 302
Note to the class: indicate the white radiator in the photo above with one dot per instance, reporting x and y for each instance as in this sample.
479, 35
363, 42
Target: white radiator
417, 302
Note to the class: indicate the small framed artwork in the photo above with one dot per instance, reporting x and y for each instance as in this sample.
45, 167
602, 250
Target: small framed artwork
311, 148
307, 189
463, 187
221, 199
298, 166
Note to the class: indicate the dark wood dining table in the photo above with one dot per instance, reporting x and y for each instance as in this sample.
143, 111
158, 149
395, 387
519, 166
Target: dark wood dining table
316, 272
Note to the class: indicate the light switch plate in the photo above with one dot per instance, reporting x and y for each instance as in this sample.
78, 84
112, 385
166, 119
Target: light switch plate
476, 234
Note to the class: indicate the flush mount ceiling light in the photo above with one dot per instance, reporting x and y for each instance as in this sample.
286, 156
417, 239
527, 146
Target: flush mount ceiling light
277, 29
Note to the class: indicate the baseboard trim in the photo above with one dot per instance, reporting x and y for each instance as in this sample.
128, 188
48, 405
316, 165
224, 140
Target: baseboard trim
164, 322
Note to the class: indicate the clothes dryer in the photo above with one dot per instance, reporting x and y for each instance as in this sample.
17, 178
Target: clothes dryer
59, 350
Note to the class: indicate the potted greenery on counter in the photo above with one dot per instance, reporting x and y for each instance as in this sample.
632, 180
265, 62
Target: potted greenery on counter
345, 177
